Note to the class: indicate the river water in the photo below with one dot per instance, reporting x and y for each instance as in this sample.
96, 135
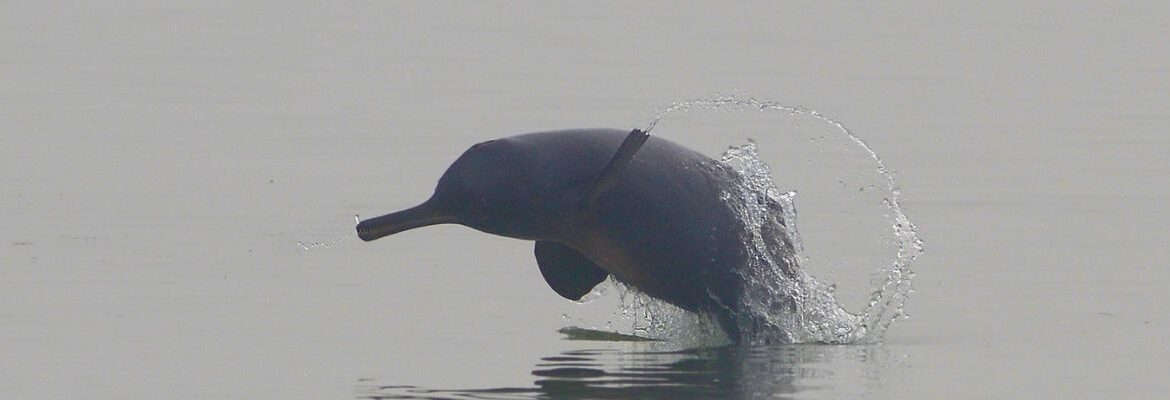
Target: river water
180, 184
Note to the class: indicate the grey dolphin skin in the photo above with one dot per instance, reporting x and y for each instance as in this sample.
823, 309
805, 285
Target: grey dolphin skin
600, 202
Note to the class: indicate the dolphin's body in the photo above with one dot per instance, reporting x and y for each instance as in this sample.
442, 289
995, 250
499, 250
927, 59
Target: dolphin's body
601, 202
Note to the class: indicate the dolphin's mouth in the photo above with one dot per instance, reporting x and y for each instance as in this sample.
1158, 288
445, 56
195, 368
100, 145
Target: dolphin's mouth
370, 230
389, 224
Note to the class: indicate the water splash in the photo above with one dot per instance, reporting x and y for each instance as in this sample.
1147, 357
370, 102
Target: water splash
784, 301
316, 245
307, 246
653, 318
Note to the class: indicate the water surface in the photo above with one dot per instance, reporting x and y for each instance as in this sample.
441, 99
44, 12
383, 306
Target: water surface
161, 163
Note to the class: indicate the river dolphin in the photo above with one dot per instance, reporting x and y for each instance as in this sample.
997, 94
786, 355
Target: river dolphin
601, 202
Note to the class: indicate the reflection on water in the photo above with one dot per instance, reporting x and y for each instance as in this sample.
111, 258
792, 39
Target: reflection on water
722, 372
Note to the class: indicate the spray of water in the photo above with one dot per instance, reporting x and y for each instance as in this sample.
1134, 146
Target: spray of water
307, 245
783, 301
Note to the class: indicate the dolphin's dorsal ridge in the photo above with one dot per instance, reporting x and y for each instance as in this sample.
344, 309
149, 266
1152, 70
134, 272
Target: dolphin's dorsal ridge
569, 273
617, 164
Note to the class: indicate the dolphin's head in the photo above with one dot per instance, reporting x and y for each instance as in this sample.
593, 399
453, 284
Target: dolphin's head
500, 187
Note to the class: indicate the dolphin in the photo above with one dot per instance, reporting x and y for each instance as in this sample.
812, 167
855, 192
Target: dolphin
602, 202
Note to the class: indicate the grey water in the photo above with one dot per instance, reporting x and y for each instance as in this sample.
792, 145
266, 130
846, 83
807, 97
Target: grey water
180, 183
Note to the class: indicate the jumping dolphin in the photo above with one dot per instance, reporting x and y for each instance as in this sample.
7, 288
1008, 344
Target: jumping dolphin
601, 202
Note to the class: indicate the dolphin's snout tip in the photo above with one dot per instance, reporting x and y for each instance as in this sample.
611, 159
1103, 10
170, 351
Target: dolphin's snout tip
365, 233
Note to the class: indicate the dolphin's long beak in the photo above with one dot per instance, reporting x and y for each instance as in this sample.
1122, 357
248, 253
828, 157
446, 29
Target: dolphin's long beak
419, 216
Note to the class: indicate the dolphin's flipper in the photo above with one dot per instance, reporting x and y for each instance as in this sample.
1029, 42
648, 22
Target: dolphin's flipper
612, 171
569, 273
